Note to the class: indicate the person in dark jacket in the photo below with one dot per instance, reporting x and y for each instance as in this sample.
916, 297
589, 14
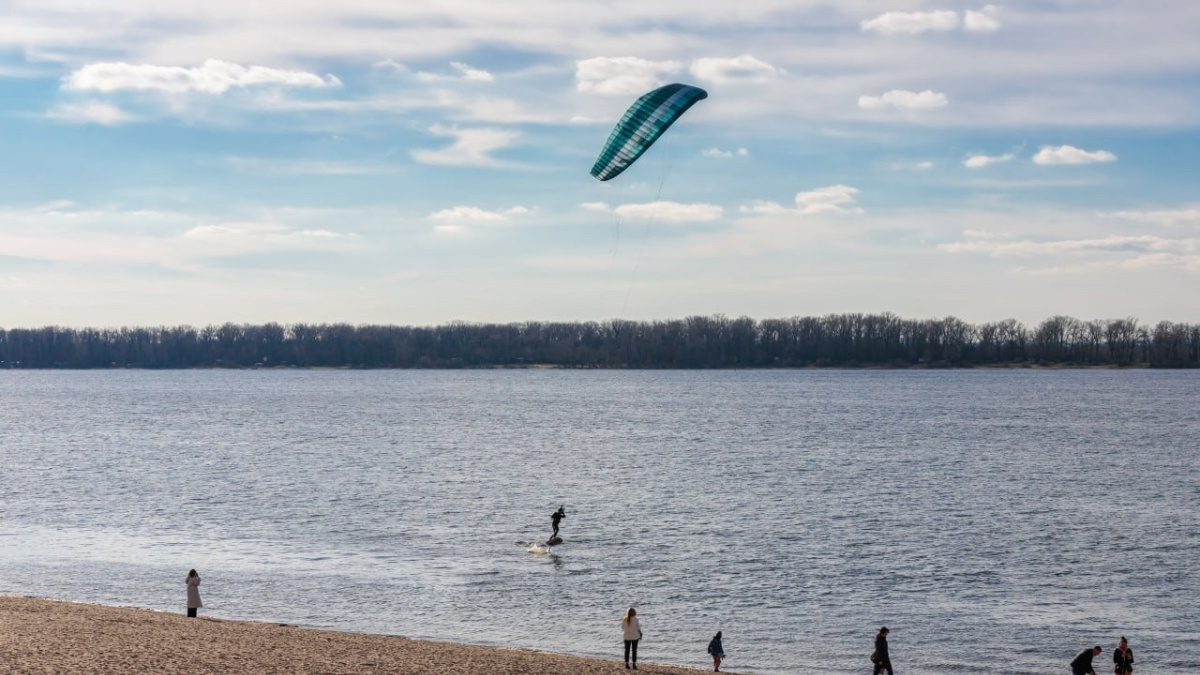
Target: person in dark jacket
717, 651
1123, 658
554, 520
881, 658
1082, 663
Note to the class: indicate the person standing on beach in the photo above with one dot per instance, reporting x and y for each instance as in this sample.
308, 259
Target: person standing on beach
717, 651
1123, 658
881, 658
632, 631
193, 588
1082, 663
555, 518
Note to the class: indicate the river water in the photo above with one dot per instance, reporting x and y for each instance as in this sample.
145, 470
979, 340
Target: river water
992, 519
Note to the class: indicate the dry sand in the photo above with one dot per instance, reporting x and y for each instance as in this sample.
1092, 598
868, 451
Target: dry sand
47, 636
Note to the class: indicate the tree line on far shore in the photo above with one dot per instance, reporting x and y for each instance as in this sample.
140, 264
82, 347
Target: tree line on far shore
835, 340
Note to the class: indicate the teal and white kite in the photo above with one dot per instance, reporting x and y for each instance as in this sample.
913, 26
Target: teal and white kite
643, 123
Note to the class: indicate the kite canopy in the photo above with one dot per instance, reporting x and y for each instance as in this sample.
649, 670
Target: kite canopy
643, 123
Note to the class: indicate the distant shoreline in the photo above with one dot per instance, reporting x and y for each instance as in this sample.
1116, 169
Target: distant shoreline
552, 366
42, 635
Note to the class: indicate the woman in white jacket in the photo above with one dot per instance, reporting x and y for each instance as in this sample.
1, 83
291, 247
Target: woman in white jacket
632, 631
193, 588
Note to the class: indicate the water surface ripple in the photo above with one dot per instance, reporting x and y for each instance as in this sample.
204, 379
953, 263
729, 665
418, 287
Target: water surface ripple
995, 519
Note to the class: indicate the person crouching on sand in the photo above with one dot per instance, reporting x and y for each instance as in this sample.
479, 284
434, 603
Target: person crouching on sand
193, 588
717, 651
1082, 663
632, 631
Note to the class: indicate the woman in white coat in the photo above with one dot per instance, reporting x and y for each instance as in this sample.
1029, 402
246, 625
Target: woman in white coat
193, 588
632, 631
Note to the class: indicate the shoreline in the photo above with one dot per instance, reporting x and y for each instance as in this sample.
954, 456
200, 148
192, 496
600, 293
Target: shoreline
39, 635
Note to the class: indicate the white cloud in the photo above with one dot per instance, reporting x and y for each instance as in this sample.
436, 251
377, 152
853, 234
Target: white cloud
214, 77
621, 75
471, 73
594, 206
302, 167
91, 112
744, 68
980, 161
831, 199
912, 23
243, 237
472, 214
899, 98
998, 247
724, 154
671, 212
470, 146
465, 72
1068, 154
983, 21
924, 165
1165, 218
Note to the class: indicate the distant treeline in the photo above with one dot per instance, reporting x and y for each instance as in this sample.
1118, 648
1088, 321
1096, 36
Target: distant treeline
836, 340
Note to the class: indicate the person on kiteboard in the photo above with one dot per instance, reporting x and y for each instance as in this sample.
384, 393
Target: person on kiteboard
555, 518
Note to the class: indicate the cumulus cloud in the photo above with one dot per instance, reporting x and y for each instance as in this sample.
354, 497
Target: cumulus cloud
924, 165
980, 161
1068, 154
724, 154
983, 21
465, 72
470, 146
90, 112
458, 219
831, 199
1166, 218
899, 98
621, 75
243, 237
912, 23
594, 206
915, 23
671, 212
302, 167
744, 68
213, 77
999, 248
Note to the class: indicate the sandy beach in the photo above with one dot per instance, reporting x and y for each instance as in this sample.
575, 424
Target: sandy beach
48, 636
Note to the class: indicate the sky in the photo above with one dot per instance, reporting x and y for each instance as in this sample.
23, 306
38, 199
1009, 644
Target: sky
402, 162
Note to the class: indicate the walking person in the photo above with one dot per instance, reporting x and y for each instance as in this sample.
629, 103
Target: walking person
193, 593
632, 632
717, 651
1082, 663
1123, 658
881, 658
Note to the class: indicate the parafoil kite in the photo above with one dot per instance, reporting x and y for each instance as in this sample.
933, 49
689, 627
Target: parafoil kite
642, 124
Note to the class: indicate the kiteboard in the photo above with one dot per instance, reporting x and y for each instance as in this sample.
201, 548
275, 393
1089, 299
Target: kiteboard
554, 541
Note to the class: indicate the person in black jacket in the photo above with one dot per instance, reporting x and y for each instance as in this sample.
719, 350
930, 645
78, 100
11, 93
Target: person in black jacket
1123, 658
881, 658
554, 520
1082, 663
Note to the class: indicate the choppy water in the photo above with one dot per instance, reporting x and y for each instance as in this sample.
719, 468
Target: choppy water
994, 519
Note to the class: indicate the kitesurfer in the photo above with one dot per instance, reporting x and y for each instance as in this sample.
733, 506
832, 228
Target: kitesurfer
555, 518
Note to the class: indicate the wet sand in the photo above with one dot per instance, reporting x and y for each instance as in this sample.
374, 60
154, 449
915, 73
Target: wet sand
48, 636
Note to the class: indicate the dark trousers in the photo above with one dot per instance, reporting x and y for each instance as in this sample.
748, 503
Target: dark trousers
192, 612
628, 645
885, 664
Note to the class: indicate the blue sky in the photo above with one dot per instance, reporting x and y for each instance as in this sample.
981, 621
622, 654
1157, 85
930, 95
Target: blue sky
375, 161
